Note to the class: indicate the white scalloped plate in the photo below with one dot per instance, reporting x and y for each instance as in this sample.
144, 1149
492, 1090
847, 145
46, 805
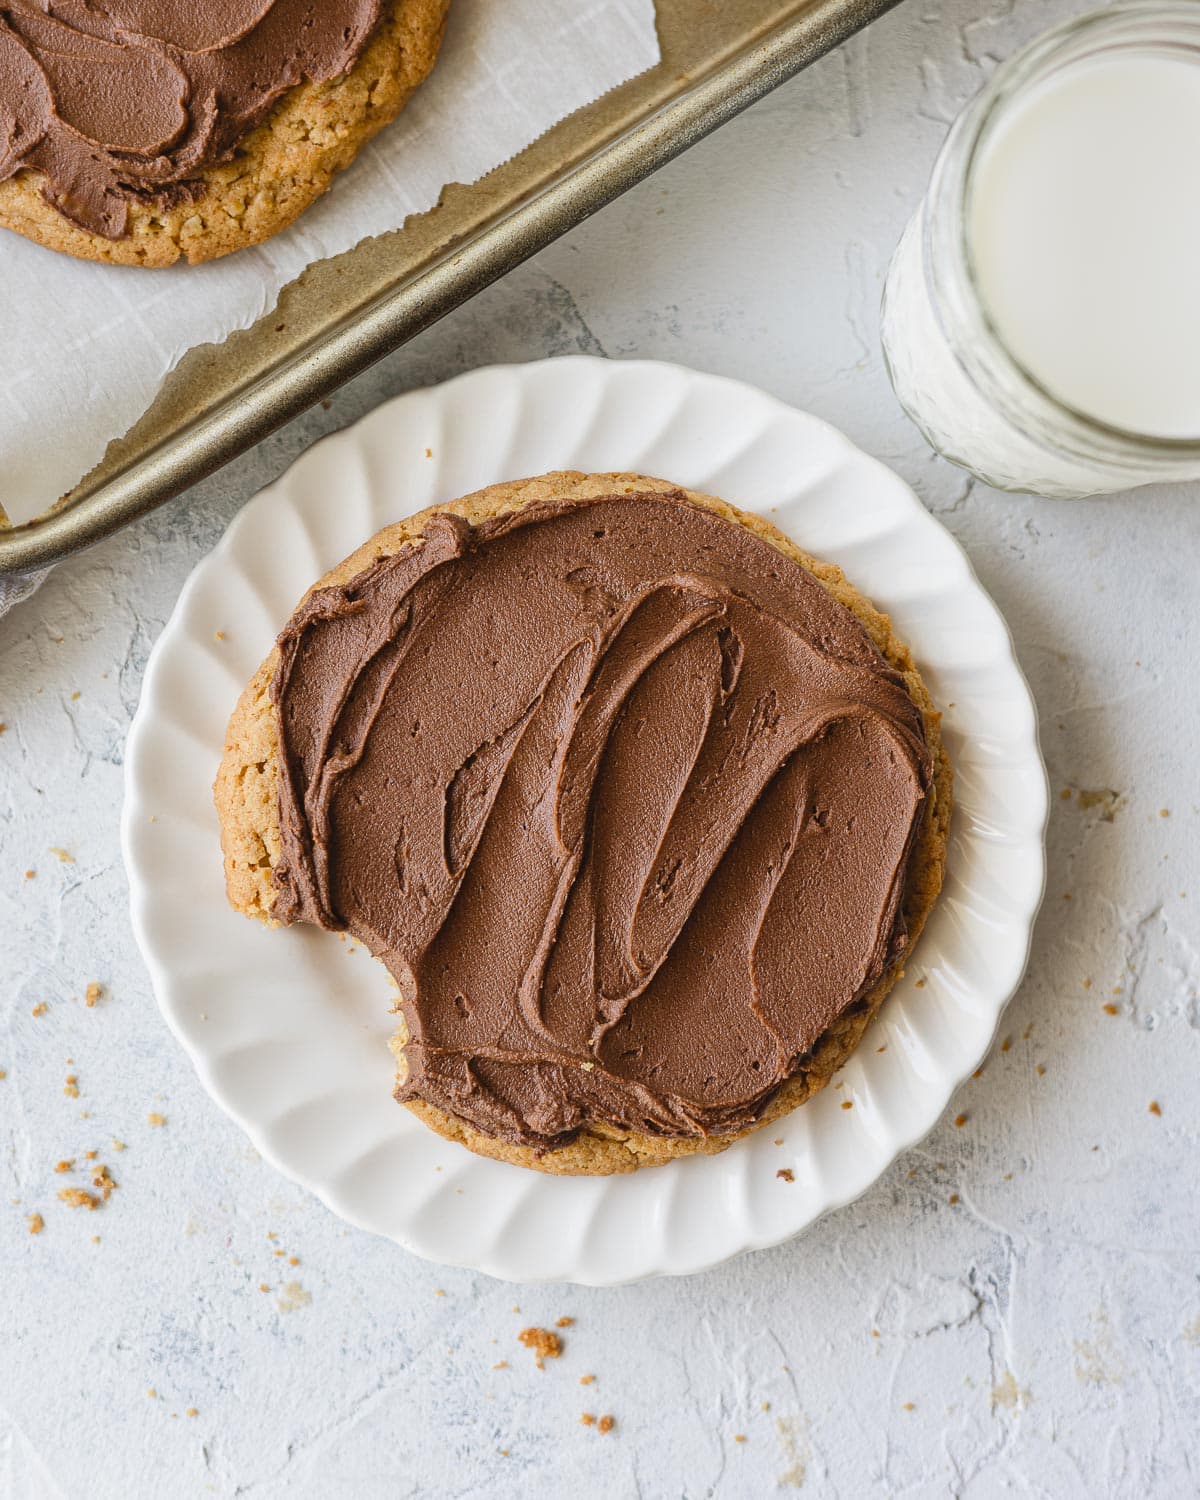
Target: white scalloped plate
288, 1029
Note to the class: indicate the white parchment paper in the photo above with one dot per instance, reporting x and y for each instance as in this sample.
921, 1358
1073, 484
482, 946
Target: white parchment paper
85, 347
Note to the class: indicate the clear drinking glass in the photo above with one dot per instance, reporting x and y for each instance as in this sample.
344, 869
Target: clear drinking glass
949, 367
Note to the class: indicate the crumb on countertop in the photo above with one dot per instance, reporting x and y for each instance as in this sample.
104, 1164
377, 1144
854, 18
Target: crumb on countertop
545, 1345
62, 856
154, 1118
71, 1086
36, 1223
79, 1198
587, 1379
92, 994
960, 1120
1155, 1108
606, 1424
786, 1174
563, 1322
39, 1009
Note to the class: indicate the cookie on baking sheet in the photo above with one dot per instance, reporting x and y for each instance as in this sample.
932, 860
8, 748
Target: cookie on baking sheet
139, 133
642, 807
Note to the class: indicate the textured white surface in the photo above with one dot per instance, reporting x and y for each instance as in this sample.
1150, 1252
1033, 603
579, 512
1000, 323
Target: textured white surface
1045, 1327
290, 1030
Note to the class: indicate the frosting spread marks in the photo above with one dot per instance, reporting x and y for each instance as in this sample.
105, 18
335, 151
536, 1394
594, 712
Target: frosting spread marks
118, 100
620, 795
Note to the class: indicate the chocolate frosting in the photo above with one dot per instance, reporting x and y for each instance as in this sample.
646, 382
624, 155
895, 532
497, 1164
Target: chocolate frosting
622, 797
117, 100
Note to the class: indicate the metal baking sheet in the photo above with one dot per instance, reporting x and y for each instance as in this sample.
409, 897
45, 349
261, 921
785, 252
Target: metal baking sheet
718, 57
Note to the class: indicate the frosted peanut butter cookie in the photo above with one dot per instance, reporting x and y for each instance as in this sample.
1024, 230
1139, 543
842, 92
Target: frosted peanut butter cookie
642, 808
140, 131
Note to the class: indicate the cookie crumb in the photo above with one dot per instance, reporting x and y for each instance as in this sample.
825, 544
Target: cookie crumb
154, 1118
1112, 1010
501, 1365
429, 453
954, 1198
39, 1009
587, 1419
263, 1287
64, 1165
191, 1412
909, 1406
92, 994
36, 1223
62, 856
3, 1074
103, 1181
1006, 1044
587, 1379
1164, 812
220, 635
545, 1345
563, 1322
118, 1145
30, 874
1155, 1108
739, 1437
293, 1260
71, 1086
437, 1291
606, 1424
1040, 1070
152, 1393
960, 1121
79, 1198
786, 1174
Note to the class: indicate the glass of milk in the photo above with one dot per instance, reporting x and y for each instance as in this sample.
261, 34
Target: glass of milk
1041, 316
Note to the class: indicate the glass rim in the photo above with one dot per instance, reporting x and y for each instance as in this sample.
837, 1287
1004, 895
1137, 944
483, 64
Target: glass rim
983, 353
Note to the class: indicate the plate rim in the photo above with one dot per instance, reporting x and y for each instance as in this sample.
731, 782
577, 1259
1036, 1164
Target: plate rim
140, 735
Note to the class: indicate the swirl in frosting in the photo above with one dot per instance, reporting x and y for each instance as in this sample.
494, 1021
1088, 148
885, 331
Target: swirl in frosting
113, 101
622, 797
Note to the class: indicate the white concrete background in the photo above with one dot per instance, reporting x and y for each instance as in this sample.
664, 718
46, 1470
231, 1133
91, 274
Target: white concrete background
1014, 1309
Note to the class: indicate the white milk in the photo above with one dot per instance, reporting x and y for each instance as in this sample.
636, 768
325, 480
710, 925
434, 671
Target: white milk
1083, 226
